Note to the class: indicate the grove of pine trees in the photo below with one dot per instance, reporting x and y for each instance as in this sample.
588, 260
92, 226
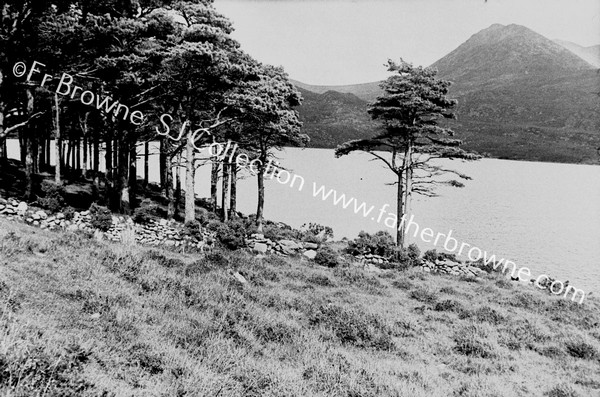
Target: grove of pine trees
160, 71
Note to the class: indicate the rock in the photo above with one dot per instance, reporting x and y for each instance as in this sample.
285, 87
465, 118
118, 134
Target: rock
239, 277
310, 254
22, 208
372, 268
72, 228
42, 215
310, 246
163, 222
36, 217
260, 248
60, 215
290, 244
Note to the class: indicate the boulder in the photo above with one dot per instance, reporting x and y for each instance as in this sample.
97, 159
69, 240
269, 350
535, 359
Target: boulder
260, 248
239, 277
42, 215
310, 254
372, 268
311, 246
290, 244
22, 208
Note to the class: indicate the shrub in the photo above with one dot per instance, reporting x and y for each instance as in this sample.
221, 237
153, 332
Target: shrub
69, 213
54, 196
581, 349
280, 231
424, 295
470, 342
231, 234
101, 217
381, 243
402, 284
354, 327
193, 230
321, 280
314, 231
430, 255
561, 390
405, 258
448, 305
145, 212
413, 251
326, 256
205, 217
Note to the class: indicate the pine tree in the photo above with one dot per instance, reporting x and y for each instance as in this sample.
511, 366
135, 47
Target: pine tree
411, 139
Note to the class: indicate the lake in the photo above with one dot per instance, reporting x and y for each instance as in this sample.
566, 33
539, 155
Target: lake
544, 216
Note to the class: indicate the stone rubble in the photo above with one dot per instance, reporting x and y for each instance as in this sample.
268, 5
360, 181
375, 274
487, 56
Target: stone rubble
448, 266
154, 233
259, 244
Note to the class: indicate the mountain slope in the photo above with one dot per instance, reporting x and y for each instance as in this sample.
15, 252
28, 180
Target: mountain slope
520, 96
505, 52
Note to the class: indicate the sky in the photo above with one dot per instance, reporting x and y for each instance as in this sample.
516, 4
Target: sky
336, 42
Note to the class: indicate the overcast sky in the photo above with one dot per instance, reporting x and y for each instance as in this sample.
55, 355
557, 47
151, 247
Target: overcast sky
332, 42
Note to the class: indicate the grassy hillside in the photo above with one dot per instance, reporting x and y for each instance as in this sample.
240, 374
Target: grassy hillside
81, 317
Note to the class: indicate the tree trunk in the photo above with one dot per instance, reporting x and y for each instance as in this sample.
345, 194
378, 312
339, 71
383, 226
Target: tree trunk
146, 164
84, 167
108, 175
169, 194
3, 151
176, 214
78, 156
124, 202
41, 157
214, 179
74, 156
96, 176
190, 179
233, 194
132, 175
48, 156
23, 145
163, 164
57, 141
399, 212
261, 197
68, 156
225, 192
29, 159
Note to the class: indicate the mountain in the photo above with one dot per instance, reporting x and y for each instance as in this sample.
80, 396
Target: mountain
590, 54
366, 91
520, 96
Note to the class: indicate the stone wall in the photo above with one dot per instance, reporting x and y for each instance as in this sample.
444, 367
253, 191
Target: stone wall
155, 233
450, 267
261, 245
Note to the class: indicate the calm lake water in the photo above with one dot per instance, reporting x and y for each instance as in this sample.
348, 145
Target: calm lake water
541, 215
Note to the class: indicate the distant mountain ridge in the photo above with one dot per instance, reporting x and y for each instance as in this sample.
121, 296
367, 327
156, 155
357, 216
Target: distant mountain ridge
520, 96
590, 54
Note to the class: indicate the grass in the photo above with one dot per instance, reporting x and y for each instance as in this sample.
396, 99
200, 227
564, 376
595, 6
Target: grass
80, 317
